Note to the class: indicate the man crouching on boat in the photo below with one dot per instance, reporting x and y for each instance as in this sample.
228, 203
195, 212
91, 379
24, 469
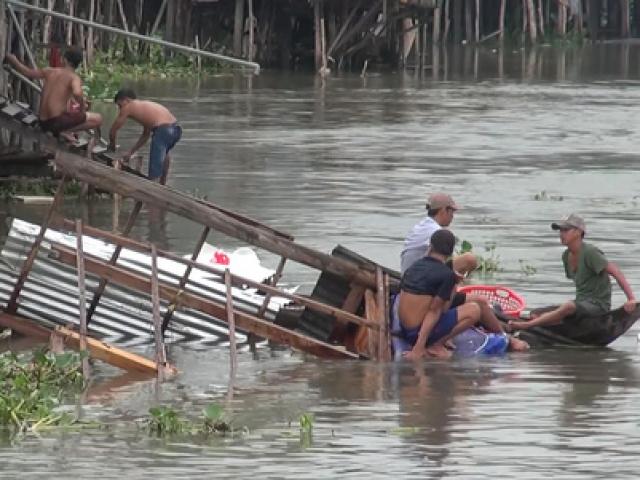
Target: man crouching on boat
587, 266
426, 321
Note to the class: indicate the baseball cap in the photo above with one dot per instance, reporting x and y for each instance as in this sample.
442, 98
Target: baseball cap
441, 200
571, 221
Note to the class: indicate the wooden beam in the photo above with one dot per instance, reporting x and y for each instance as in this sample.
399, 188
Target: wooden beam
108, 353
185, 276
244, 321
98, 349
12, 304
344, 314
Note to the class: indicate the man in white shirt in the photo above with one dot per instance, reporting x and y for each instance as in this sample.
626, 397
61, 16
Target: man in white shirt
440, 211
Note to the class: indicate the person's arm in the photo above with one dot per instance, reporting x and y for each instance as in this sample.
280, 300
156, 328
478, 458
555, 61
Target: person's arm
139, 144
613, 270
117, 125
78, 94
23, 69
433, 314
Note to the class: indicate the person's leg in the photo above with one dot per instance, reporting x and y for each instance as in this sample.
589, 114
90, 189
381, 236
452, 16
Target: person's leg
157, 154
174, 135
553, 317
465, 263
92, 121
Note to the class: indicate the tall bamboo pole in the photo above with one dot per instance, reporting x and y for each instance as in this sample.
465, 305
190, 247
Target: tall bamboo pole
82, 298
501, 18
90, 44
533, 29
251, 30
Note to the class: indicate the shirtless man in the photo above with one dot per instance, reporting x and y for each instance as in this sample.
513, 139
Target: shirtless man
156, 121
426, 319
60, 86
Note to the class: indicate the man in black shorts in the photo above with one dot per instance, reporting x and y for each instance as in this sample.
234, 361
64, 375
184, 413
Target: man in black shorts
427, 319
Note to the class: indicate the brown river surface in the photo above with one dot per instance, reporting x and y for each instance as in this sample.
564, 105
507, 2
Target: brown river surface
519, 140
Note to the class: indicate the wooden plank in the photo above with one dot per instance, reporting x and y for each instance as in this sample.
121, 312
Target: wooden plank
114, 356
121, 241
34, 200
244, 321
12, 304
109, 354
371, 311
24, 326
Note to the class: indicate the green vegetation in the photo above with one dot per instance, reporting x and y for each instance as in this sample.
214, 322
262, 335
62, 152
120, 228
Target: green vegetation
40, 187
110, 71
488, 263
165, 421
31, 390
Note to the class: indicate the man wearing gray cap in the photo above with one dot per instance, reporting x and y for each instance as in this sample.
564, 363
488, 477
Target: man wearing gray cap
589, 269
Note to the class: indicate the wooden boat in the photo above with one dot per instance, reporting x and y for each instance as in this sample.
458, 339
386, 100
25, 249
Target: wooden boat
596, 331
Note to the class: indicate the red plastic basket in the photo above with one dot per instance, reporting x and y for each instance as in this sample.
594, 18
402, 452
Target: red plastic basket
511, 303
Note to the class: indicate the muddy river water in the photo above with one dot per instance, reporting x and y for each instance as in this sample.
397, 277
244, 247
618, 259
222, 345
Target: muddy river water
519, 140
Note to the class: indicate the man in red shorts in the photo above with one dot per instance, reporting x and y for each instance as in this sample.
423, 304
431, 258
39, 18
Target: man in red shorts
60, 85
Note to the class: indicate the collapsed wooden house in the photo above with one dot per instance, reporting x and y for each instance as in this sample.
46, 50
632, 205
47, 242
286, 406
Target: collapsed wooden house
350, 322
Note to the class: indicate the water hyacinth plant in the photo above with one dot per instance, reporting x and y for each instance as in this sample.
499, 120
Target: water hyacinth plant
32, 389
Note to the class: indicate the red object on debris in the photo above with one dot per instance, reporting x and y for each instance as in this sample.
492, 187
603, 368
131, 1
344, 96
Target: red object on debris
221, 258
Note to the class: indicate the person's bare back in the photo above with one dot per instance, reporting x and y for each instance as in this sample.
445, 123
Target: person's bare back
60, 85
148, 114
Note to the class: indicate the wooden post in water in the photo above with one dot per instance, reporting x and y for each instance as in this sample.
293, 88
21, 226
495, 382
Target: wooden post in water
232, 325
625, 26
501, 19
561, 26
468, 20
477, 21
251, 30
12, 304
540, 18
437, 21
593, 19
238, 27
161, 356
318, 41
82, 300
531, 13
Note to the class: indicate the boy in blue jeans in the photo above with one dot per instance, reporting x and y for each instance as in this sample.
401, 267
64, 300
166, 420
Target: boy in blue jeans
157, 121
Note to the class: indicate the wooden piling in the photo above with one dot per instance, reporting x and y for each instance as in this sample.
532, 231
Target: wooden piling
238, 26
82, 300
437, 21
233, 366
161, 355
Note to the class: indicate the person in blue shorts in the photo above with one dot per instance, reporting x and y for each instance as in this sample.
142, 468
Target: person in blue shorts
157, 121
426, 289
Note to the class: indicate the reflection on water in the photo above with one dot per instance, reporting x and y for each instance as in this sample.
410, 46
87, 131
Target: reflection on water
519, 138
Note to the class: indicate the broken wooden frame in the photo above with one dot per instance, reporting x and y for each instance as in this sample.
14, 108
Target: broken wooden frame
210, 217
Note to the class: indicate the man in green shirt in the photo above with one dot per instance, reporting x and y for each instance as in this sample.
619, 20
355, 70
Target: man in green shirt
587, 266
